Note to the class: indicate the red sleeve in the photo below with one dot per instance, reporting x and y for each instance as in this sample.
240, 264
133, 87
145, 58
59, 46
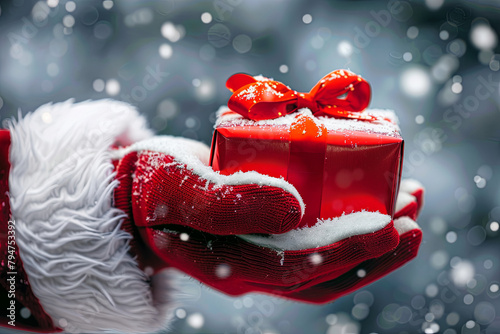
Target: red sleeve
39, 321
4, 175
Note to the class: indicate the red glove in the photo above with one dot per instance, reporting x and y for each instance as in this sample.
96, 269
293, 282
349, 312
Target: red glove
225, 230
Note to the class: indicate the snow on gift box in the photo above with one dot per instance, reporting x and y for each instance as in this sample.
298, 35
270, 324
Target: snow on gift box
340, 157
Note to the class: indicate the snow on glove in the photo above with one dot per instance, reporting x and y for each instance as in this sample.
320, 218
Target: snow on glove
177, 202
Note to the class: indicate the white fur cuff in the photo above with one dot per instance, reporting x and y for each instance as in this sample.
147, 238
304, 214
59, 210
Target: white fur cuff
68, 233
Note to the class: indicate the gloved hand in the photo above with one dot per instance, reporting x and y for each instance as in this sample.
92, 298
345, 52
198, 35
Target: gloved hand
239, 234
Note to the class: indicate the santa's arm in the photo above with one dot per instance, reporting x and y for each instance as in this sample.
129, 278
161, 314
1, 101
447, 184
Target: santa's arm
77, 198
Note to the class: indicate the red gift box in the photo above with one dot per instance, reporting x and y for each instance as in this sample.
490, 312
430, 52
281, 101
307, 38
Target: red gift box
339, 164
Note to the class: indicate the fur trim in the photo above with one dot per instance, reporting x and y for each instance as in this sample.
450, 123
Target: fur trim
68, 233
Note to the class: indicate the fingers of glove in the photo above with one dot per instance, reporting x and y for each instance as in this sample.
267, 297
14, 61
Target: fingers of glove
302, 268
406, 206
167, 192
332, 245
368, 271
410, 199
201, 255
307, 276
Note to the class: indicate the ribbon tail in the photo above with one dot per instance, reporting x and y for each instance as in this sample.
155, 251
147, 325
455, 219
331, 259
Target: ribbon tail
306, 164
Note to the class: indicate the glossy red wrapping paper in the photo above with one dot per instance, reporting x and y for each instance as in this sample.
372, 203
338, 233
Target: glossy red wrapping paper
335, 171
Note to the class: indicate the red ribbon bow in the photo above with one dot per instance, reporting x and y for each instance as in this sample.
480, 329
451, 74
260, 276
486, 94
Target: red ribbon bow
340, 94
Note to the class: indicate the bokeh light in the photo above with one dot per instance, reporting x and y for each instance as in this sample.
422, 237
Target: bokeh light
483, 36
307, 18
415, 82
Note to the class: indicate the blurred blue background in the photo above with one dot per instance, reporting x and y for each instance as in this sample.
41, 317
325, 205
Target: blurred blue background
435, 62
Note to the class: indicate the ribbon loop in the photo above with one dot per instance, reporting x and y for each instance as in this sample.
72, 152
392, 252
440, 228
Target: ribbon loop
340, 94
